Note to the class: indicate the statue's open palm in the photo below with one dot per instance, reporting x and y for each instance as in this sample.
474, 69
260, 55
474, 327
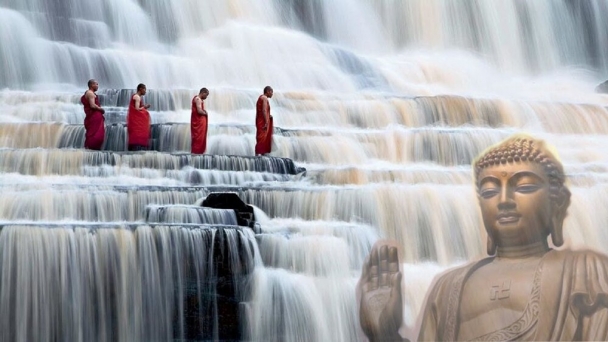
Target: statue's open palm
381, 311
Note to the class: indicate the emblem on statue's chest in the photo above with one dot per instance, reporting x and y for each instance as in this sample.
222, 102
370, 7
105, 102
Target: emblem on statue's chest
501, 291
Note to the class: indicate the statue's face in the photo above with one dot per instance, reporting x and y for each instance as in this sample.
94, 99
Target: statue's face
515, 203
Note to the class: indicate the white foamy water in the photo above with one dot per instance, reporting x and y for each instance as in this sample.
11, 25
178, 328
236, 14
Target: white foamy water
385, 102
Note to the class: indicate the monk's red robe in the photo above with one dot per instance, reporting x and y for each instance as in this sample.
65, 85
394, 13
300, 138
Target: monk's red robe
138, 126
263, 137
198, 129
94, 127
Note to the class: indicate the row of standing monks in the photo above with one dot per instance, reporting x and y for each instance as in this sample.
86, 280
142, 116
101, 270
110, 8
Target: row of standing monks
138, 121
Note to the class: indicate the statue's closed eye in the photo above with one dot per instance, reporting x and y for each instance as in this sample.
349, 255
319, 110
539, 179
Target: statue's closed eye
527, 188
488, 193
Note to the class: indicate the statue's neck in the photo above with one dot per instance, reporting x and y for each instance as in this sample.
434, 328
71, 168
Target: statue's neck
520, 252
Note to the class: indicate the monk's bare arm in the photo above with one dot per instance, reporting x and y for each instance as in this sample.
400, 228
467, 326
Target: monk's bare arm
91, 97
199, 106
266, 111
137, 102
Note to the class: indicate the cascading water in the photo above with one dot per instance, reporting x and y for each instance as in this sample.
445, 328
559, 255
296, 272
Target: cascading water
384, 102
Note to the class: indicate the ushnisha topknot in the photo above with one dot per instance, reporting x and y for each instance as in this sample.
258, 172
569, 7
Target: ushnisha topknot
524, 149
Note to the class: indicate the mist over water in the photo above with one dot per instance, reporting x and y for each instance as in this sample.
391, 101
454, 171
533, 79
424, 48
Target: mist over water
384, 102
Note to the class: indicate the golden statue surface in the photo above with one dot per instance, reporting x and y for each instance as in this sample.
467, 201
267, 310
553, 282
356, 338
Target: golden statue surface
524, 290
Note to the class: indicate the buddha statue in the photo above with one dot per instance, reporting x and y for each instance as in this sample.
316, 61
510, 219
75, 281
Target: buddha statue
524, 290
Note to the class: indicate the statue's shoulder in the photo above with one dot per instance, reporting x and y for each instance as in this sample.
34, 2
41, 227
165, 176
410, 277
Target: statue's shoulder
456, 274
584, 275
581, 255
457, 270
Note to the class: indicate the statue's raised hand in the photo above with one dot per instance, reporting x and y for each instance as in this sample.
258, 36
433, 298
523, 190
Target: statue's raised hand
381, 310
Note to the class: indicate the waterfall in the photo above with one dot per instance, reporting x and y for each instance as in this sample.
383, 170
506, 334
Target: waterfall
380, 107
117, 284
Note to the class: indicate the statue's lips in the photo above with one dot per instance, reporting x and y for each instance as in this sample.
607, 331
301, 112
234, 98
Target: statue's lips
506, 218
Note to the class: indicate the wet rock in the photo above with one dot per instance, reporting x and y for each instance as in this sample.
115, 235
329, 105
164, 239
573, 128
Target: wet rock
230, 200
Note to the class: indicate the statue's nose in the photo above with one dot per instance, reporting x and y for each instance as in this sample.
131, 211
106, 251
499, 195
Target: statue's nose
506, 199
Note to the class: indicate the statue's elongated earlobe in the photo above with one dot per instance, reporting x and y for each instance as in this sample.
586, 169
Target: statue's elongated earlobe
557, 218
491, 246
557, 235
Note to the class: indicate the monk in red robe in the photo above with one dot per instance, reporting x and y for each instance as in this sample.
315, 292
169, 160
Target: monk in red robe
199, 122
263, 123
138, 121
94, 127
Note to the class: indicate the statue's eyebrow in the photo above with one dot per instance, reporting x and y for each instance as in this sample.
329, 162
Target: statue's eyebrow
489, 179
520, 174
514, 178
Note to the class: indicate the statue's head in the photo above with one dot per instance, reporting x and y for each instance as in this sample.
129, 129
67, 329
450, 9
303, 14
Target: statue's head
521, 192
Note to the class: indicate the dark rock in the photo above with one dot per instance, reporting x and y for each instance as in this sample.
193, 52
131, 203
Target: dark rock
230, 200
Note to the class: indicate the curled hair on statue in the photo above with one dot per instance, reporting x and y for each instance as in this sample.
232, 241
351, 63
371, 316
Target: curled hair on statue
522, 148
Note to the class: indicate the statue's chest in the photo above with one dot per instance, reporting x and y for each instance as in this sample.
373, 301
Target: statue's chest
493, 297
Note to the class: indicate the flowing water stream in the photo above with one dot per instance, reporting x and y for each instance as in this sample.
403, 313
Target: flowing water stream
385, 103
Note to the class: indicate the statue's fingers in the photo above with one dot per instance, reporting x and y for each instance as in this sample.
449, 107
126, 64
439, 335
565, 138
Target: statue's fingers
373, 284
395, 305
393, 260
396, 294
384, 279
383, 259
373, 277
373, 263
383, 266
396, 282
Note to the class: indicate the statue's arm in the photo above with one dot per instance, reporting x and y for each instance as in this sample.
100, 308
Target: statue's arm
595, 326
590, 295
429, 326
